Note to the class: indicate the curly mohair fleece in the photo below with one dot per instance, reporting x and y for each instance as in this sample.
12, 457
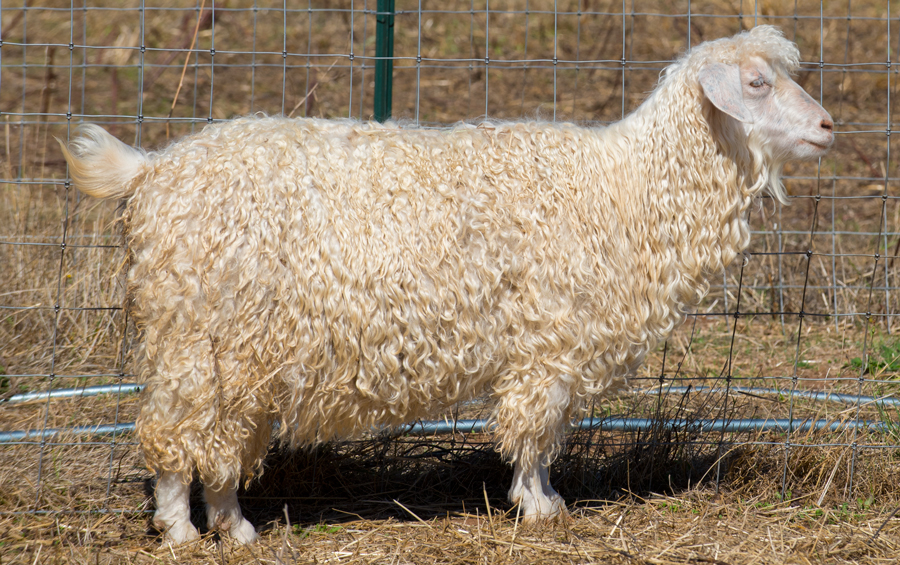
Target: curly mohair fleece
335, 276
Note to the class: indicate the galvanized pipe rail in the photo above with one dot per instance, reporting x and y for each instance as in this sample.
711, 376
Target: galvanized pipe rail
128, 388
440, 427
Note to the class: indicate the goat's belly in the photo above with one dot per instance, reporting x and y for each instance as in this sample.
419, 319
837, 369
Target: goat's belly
340, 402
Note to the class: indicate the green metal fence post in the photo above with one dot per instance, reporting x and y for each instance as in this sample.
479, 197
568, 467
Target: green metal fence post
384, 65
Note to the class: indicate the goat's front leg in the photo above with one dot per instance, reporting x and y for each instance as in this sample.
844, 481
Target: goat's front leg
531, 416
531, 490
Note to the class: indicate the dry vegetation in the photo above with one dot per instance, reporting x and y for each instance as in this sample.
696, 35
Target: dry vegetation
661, 495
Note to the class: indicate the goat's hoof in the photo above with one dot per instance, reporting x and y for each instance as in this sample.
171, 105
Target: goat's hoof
243, 532
180, 533
240, 531
545, 509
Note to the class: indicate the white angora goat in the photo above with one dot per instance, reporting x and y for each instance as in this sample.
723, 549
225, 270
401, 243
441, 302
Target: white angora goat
336, 276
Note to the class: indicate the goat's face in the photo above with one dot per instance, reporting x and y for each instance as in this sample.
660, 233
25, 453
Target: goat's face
778, 116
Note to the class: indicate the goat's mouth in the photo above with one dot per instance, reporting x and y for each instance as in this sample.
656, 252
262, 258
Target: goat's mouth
823, 147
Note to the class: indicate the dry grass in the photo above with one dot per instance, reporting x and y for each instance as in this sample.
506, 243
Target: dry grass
661, 495
657, 496
443, 501
626, 532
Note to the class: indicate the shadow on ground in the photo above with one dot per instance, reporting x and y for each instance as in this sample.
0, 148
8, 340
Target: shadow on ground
406, 478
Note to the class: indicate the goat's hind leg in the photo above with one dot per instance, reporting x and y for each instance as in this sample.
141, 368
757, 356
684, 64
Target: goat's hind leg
173, 507
223, 513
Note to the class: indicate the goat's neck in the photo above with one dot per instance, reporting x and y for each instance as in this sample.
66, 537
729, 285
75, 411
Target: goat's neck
691, 196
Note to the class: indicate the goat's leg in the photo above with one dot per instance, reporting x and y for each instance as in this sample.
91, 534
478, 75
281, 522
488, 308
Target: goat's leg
531, 490
531, 417
173, 507
223, 513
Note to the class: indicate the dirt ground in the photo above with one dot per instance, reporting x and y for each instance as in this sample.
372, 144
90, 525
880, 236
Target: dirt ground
657, 495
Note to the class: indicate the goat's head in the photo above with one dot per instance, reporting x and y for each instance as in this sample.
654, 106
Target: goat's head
756, 106
779, 118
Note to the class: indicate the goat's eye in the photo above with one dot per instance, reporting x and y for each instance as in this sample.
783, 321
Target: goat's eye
758, 83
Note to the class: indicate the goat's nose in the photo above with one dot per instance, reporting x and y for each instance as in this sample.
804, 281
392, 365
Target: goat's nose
827, 124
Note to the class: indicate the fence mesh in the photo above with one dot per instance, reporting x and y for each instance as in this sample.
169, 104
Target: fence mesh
810, 309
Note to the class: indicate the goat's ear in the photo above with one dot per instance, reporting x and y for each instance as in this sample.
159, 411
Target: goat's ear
722, 85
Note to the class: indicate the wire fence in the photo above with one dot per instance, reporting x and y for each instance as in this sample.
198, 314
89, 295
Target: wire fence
805, 317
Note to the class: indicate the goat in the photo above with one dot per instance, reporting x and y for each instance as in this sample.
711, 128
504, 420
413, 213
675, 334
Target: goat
332, 276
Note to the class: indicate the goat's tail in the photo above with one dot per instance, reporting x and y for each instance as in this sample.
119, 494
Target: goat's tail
102, 166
